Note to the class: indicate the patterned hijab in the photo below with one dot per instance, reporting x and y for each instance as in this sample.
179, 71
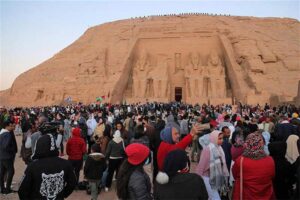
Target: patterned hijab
254, 146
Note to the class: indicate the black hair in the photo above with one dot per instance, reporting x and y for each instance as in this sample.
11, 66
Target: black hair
96, 148
139, 132
146, 118
107, 130
129, 114
152, 117
125, 171
226, 117
119, 122
224, 127
7, 122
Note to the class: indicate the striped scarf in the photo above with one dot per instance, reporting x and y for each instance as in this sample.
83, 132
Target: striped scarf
218, 172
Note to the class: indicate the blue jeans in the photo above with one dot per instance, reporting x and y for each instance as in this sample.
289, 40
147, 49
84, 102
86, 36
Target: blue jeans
94, 188
104, 176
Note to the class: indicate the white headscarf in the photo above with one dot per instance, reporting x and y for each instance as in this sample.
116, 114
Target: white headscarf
117, 136
292, 152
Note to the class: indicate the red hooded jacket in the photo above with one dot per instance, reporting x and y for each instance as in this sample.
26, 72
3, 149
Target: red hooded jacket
76, 146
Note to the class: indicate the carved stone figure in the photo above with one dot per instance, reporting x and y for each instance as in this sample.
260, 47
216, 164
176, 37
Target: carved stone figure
140, 73
217, 75
214, 59
160, 79
192, 72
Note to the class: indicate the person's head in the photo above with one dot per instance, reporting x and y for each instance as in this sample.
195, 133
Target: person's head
100, 121
119, 126
9, 125
254, 146
145, 119
226, 118
170, 135
76, 132
216, 137
33, 127
137, 154
42, 119
139, 131
117, 134
77, 115
292, 151
175, 135
226, 131
59, 116
166, 135
129, 115
95, 148
237, 138
45, 147
175, 162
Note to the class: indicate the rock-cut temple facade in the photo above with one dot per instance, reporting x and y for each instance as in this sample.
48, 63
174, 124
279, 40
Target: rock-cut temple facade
190, 58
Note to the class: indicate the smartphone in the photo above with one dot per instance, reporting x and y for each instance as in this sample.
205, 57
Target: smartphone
204, 126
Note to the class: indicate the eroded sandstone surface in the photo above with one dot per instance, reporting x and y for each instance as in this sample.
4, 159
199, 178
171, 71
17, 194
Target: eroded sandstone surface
194, 58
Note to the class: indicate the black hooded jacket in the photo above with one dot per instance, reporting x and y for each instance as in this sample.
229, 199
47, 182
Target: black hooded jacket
94, 166
283, 170
48, 176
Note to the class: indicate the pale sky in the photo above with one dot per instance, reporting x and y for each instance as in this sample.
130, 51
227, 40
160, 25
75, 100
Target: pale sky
33, 31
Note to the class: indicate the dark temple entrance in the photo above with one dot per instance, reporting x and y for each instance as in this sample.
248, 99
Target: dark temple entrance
178, 94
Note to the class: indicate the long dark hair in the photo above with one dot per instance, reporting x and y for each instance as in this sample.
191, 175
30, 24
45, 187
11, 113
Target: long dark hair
125, 171
139, 132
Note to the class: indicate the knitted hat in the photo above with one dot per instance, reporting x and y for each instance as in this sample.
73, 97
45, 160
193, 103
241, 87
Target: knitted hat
175, 160
137, 153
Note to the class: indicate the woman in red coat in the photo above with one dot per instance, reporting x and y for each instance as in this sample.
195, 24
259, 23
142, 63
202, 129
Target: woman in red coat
170, 141
76, 148
258, 170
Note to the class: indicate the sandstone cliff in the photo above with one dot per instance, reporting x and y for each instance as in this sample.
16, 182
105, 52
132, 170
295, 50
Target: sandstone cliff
193, 58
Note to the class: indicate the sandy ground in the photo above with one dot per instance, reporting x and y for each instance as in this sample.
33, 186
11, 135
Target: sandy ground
76, 195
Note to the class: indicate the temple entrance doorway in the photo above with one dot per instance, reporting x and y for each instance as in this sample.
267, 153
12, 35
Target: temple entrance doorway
178, 94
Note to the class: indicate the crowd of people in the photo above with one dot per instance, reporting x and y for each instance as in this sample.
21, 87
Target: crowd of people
194, 152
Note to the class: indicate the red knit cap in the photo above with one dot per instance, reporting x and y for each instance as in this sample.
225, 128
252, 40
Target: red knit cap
137, 153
